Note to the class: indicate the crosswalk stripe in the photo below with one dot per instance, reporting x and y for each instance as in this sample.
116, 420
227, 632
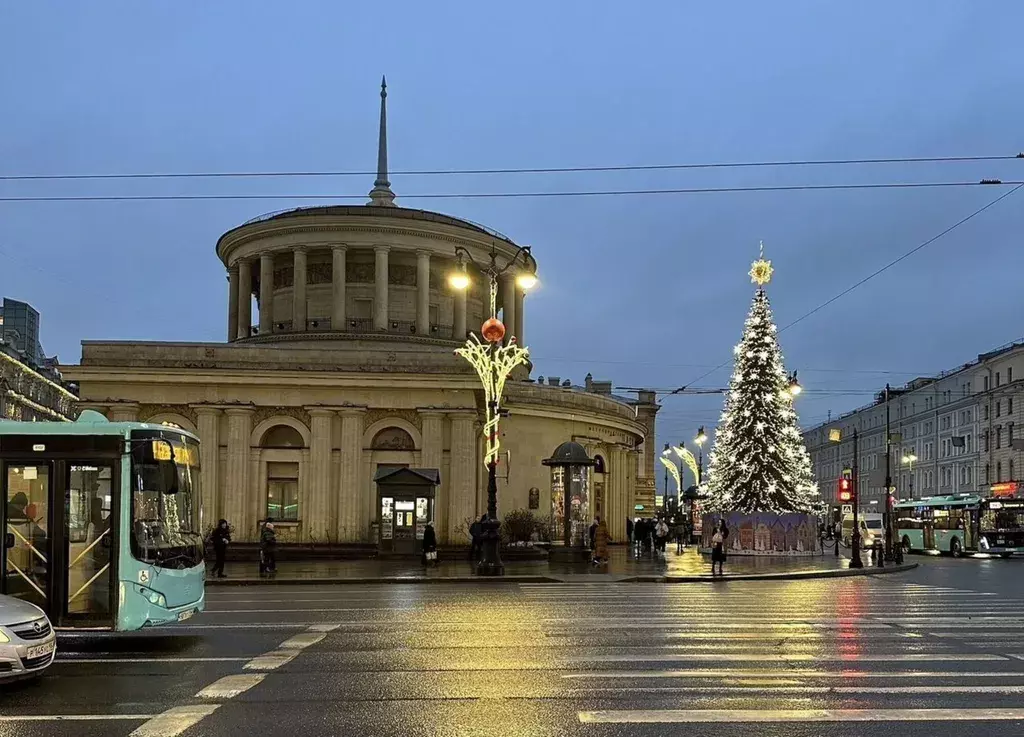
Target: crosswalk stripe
793, 657
788, 673
683, 716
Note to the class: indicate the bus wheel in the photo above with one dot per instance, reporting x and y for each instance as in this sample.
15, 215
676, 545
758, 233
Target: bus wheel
1006, 555
954, 548
906, 544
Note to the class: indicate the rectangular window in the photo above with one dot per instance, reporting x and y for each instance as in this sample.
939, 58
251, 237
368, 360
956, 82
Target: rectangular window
998, 408
283, 491
986, 383
997, 379
986, 481
1009, 374
985, 414
967, 444
1009, 405
999, 437
999, 471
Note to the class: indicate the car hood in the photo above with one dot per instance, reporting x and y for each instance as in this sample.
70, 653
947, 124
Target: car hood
16, 611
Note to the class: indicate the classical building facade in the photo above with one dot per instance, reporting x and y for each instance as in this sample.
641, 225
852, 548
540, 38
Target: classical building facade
961, 426
339, 360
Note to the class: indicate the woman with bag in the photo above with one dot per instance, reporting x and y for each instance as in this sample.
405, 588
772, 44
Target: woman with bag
429, 546
718, 540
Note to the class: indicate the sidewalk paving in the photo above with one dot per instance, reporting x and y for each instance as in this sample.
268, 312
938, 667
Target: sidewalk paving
690, 566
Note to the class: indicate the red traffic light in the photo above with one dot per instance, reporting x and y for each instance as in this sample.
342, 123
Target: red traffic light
844, 496
845, 490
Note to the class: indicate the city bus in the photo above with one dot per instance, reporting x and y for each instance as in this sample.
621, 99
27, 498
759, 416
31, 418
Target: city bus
102, 522
962, 524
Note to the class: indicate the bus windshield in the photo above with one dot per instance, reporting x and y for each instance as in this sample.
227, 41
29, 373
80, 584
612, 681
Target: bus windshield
165, 519
1002, 520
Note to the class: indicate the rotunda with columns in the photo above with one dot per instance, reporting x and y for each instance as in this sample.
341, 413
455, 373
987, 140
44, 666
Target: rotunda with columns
341, 327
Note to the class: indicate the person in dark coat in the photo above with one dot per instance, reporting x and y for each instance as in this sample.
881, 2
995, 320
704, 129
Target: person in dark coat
220, 538
268, 549
718, 542
592, 532
429, 545
629, 530
476, 536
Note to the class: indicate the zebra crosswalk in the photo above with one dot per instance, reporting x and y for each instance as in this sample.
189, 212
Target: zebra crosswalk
850, 651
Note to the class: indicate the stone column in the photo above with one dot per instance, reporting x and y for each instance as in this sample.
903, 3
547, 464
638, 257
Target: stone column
430, 457
380, 280
232, 302
123, 412
244, 298
209, 459
319, 512
520, 317
615, 491
304, 494
508, 304
338, 288
236, 488
351, 492
266, 293
462, 501
299, 290
459, 329
423, 292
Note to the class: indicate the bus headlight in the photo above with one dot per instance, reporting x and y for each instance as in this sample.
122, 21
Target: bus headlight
153, 597
3, 637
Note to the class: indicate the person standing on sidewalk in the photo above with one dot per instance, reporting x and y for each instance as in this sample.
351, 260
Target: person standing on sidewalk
476, 534
429, 545
718, 540
220, 538
268, 550
600, 542
629, 531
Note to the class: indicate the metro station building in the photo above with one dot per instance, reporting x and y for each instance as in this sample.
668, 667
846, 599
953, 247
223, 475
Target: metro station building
346, 366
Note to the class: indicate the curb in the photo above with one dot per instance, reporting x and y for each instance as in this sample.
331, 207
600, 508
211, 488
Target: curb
592, 578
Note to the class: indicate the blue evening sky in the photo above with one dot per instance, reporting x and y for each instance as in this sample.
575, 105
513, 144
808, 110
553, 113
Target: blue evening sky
644, 290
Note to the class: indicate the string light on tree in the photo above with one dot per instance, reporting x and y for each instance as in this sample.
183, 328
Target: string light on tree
759, 462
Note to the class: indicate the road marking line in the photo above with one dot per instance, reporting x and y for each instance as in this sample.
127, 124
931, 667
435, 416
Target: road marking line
790, 687
682, 716
301, 642
63, 660
74, 717
251, 626
789, 657
785, 673
272, 660
230, 686
297, 609
174, 721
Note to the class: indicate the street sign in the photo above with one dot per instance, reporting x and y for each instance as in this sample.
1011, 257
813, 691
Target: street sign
847, 509
638, 508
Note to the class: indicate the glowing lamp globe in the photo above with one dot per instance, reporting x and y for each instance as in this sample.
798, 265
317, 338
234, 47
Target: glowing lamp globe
493, 330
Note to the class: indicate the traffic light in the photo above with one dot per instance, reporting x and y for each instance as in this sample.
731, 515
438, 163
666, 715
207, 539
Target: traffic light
846, 489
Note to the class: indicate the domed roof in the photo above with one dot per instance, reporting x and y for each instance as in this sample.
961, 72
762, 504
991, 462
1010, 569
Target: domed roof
569, 453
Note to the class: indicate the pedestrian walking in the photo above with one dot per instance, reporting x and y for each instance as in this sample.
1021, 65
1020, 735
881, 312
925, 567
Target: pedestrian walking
268, 550
718, 541
429, 545
476, 537
592, 532
661, 533
629, 530
220, 538
600, 542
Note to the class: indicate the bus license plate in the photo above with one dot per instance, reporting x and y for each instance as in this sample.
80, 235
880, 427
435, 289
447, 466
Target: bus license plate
38, 651
182, 616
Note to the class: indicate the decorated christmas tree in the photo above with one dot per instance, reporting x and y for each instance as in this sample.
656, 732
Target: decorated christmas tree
759, 462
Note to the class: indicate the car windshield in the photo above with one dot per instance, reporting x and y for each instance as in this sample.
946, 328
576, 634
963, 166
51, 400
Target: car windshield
874, 524
165, 500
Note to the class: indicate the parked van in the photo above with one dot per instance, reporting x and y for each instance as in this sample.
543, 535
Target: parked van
870, 528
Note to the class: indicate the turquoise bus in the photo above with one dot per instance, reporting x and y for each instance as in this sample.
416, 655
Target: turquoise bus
102, 522
962, 524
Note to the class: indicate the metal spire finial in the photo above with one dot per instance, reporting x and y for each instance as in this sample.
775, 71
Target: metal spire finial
381, 193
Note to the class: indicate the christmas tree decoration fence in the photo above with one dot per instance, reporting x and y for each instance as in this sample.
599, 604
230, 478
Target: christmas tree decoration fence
759, 462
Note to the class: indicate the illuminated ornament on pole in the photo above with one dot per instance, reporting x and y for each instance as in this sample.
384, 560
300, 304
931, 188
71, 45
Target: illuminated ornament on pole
493, 330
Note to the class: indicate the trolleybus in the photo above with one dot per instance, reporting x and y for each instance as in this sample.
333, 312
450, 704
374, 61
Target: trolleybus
102, 521
962, 524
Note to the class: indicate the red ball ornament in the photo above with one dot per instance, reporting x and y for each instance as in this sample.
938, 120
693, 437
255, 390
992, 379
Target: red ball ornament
493, 330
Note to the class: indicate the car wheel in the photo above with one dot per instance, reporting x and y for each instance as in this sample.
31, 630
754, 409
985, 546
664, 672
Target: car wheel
955, 549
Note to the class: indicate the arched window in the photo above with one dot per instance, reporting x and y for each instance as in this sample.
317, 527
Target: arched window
282, 436
599, 466
392, 438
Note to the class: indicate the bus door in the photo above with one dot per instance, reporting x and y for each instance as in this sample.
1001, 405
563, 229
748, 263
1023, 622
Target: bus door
928, 528
26, 515
89, 544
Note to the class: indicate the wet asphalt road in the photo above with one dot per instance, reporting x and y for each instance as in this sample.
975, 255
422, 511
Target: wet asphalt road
560, 659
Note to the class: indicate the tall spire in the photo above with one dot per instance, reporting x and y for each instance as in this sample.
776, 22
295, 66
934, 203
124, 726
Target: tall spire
381, 193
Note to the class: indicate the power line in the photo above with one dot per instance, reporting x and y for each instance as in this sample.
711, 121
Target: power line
514, 195
531, 170
868, 278
708, 365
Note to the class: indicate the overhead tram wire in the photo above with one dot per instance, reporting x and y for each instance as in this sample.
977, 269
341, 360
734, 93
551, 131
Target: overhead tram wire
514, 195
514, 170
871, 276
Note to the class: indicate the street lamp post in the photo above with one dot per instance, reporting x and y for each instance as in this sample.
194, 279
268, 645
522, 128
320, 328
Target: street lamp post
494, 363
909, 459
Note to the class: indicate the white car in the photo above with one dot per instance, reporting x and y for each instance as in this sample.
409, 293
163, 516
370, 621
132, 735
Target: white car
27, 640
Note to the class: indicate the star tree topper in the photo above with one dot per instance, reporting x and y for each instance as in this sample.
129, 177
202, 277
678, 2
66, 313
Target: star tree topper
761, 270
